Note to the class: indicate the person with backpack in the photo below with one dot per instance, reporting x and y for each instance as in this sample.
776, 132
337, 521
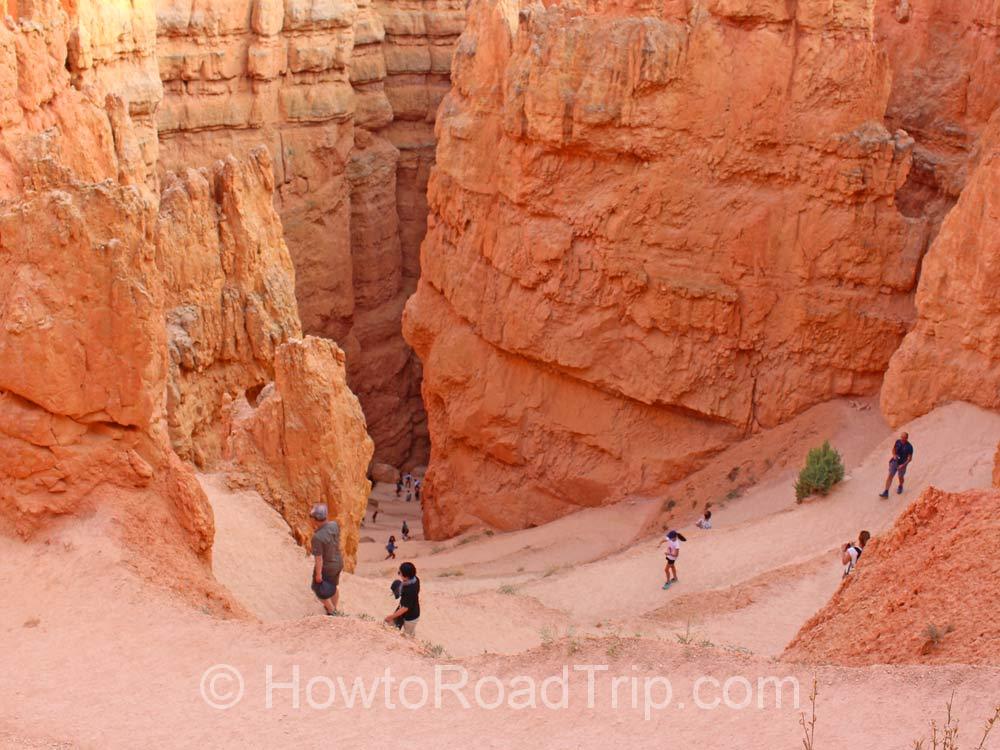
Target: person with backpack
405, 532
672, 539
850, 553
328, 561
390, 547
406, 588
902, 454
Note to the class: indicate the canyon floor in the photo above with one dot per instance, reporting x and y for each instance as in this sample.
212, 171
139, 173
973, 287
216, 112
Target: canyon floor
95, 657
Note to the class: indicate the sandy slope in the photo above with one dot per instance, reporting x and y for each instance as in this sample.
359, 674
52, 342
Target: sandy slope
96, 658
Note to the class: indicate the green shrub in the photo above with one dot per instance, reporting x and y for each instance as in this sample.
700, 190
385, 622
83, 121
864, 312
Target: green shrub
823, 469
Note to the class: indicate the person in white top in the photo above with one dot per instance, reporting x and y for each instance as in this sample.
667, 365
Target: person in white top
672, 539
705, 522
850, 553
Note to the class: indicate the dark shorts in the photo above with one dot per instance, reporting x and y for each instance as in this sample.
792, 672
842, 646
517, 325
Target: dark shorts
327, 588
670, 562
895, 468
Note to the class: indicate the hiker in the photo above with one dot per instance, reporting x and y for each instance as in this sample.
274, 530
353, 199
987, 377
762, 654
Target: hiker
850, 553
329, 564
705, 522
416, 489
406, 588
406, 532
373, 504
408, 480
672, 539
399, 487
902, 454
390, 547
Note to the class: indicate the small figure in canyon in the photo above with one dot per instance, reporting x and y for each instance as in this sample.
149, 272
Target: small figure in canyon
902, 454
399, 487
405, 532
390, 547
406, 588
705, 522
672, 539
850, 553
328, 562
373, 504
416, 489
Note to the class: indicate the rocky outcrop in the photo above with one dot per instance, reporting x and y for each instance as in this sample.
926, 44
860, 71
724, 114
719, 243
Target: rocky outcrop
82, 342
919, 591
953, 351
687, 218
128, 319
230, 298
996, 468
303, 441
343, 94
943, 57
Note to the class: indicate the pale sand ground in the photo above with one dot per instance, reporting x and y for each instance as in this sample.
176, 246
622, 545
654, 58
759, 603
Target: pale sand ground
111, 662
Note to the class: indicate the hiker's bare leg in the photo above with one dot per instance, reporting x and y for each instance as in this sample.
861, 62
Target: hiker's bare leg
888, 482
328, 604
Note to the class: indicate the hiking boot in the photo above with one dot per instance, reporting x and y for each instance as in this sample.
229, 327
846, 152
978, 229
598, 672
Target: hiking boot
666, 585
899, 490
884, 494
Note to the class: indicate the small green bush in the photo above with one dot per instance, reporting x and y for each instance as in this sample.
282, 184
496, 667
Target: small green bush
823, 469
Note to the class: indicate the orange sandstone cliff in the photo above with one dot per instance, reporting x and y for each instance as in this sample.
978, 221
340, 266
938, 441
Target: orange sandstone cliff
650, 232
953, 352
129, 318
83, 364
302, 440
343, 94
924, 592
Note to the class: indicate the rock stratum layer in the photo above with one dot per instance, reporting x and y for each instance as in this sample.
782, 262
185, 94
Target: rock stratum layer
129, 319
343, 94
651, 231
923, 589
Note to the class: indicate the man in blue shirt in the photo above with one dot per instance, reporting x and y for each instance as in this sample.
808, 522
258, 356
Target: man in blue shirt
902, 454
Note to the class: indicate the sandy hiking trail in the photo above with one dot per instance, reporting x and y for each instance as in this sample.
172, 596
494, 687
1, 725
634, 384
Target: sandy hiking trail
130, 658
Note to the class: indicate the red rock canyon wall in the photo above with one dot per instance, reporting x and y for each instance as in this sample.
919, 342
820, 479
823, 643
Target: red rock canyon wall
130, 318
684, 216
343, 94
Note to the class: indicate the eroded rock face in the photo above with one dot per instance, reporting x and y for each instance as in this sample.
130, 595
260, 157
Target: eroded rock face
343, 94
689, 217
953, 351
230, 294
82, 342
944, 57
127, 321
911, 580
303, 441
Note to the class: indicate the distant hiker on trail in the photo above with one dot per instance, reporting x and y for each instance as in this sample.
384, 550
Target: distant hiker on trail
373, 504
405, 532
705, 522
416, 489
390, 547
902, 454
399, 487
672, 539
407, 589
407, 480
409, 494
329, 564
850, 553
